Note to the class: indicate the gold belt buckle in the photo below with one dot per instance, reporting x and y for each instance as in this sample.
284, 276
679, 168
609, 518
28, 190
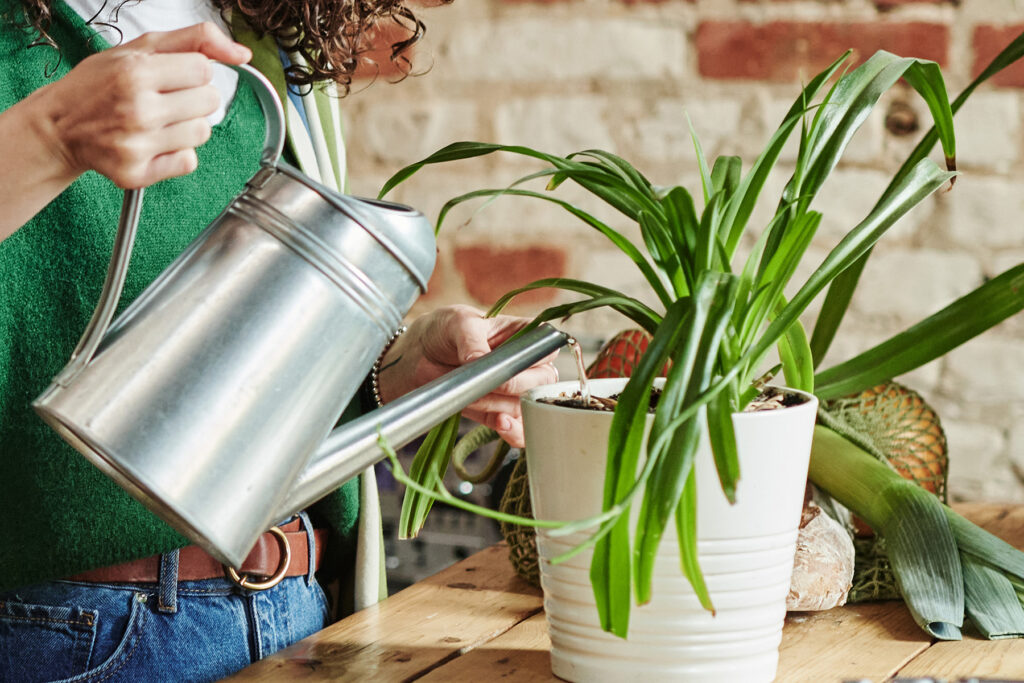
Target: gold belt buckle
282, 569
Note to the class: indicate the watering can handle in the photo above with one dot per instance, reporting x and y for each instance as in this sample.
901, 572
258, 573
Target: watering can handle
128, 223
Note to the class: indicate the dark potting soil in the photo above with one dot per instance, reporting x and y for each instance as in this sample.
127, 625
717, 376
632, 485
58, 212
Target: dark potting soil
770, 398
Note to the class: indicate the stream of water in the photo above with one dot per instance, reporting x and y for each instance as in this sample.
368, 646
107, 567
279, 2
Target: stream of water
577, 353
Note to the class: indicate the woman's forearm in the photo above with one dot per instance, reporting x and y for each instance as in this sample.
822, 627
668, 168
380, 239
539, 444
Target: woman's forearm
33, 172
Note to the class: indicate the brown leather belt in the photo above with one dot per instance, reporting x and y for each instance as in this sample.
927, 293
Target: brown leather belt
195, 564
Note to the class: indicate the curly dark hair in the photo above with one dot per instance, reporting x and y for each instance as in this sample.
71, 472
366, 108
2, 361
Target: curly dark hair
334, 37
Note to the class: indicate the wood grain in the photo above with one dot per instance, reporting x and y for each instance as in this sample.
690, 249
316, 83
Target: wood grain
520, 654
478, 621
867, 640
972, 657
413, 631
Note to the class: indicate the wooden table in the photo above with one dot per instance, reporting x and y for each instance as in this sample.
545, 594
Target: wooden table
478, 621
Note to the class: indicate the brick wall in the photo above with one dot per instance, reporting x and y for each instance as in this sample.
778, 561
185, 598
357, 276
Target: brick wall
623, 75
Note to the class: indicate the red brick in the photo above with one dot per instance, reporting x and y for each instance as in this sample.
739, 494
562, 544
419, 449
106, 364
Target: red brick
489, 272
376, 62
786, 51
990, 41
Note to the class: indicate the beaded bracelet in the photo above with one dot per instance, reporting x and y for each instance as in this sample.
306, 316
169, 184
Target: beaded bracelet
375, 370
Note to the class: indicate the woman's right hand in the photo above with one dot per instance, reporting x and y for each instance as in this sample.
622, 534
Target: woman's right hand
134, 113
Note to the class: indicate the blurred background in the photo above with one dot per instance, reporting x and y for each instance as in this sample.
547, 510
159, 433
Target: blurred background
625, 76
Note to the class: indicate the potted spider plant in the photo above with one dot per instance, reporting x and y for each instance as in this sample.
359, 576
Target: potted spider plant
691, 461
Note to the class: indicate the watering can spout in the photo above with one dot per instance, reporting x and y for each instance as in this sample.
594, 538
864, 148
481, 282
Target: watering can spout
353, 447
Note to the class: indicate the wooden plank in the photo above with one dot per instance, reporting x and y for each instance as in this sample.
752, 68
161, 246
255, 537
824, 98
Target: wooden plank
413, 631
478, 621
521, 654
970, 658
867, 640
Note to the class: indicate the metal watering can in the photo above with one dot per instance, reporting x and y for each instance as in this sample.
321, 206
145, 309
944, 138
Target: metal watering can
211, 399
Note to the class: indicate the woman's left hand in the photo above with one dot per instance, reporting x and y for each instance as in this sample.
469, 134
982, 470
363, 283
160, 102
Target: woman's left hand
441, 341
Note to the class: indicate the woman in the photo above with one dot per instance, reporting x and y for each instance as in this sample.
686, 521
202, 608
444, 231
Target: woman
93, 586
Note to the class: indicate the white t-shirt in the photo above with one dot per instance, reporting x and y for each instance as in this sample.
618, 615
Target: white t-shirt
137, 17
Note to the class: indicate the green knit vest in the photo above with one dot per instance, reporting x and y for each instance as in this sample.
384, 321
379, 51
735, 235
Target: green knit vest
58, 514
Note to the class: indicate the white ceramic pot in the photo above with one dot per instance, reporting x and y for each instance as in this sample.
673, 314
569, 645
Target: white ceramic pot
746, 550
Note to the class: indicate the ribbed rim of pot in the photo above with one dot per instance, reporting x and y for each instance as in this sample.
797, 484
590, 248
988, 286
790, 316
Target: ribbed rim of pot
612, 385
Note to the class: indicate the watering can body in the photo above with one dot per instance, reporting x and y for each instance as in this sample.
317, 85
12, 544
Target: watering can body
214, 391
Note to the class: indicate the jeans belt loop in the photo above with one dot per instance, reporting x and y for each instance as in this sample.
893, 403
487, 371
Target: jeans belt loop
167, 600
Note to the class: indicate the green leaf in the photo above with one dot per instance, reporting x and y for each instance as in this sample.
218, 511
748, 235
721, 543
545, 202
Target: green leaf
693, 362
474, 440
686, 532
837, 300
725, 176
619, 166
610, 570
926, 78
707, 234
745, 199
855, 96
777, 272
924, 559
702, 163
921, 546
659, 244
795, 354
991, 600
964, 319
835, 305
972, 539
453, 152
633, 309
722, 435
429, 465
627, 307
926, 179
616, 238
596, 179
440, 493
682, 224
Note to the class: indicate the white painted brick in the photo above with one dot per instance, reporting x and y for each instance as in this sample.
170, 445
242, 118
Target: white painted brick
1016, 447
541, 50
864, 147
854, 338
556, 125
987, 370
988, 131
1004, 259
401, 132
911, 285
847, 197
659, 130
983, 211
978, 468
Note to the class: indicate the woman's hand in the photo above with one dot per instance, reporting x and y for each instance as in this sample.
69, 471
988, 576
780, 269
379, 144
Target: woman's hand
441, 341
134, 113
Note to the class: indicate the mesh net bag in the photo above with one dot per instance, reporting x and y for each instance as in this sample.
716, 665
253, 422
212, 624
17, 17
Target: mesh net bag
893, 423
522, 540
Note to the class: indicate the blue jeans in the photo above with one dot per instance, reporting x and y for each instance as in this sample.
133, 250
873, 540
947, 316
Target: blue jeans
171, 631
